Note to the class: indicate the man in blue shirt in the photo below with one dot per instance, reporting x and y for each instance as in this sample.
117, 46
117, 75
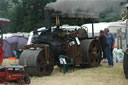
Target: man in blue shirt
109, 49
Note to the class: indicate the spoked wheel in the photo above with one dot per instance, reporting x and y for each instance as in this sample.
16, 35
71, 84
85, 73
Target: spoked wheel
36, 62
91, 51
94, 53
125, 65
20, 82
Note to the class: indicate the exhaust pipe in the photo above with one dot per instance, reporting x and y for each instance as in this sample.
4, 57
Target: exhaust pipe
47, 15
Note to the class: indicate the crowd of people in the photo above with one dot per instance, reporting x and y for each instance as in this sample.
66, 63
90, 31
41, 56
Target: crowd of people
107, 41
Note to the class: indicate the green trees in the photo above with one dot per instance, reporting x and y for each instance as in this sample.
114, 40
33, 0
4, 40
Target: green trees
4, 6
26, 15
29, 15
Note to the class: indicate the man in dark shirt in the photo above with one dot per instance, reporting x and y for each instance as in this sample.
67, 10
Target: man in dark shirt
104, 42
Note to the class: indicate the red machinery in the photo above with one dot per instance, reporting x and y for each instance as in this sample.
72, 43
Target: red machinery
14, 73
3, 21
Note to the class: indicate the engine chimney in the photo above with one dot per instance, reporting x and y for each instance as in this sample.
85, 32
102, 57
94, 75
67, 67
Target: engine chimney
47, 15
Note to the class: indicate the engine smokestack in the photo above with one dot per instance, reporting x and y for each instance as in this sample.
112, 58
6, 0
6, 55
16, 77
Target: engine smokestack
48, 19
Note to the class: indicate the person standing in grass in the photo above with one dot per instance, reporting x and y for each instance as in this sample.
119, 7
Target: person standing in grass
103, 42
110, 47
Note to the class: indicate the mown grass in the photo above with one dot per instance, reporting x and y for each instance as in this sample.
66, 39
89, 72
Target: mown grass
102, 75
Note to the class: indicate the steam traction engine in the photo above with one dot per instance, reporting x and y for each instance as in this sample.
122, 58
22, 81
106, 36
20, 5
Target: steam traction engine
41, 56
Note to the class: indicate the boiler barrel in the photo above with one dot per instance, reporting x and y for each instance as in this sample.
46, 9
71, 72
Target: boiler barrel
35, 62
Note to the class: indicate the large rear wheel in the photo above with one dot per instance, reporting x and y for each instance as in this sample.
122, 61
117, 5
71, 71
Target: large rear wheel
125, 65
91, 51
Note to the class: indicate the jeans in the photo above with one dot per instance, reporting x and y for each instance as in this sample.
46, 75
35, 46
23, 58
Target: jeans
108, 53
104, 55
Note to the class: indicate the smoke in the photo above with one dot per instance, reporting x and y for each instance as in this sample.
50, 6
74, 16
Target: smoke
91, 7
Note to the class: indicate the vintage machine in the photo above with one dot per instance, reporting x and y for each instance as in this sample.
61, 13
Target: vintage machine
124, 16
14, 74
41, 56
125, 61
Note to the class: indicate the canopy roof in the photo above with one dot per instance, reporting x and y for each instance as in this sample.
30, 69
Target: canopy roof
4, 21
15, 66
12, 44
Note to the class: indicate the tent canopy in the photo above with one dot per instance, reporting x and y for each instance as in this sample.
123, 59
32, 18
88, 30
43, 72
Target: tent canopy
13, 44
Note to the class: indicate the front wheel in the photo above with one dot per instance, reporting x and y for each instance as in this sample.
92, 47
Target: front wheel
125, 65
27, 80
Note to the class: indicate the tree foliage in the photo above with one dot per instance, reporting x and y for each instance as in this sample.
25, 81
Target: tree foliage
26, 15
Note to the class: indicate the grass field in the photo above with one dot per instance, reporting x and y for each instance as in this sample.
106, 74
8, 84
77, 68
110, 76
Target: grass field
102, 75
